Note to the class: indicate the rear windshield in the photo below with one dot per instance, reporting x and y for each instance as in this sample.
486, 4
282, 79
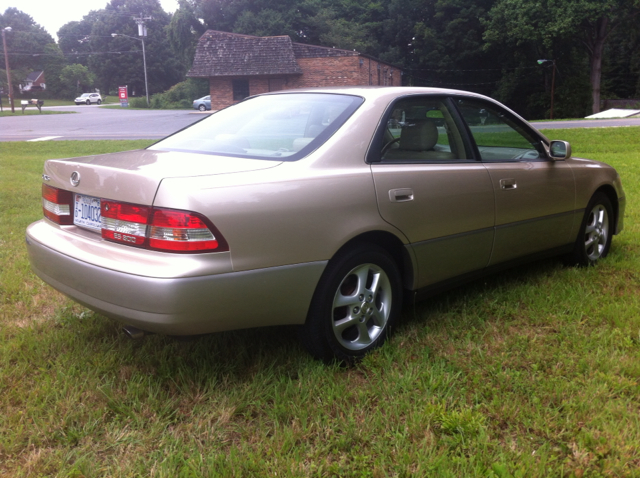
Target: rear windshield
278, 127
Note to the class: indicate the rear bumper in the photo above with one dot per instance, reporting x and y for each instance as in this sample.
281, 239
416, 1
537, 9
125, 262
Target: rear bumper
181, 305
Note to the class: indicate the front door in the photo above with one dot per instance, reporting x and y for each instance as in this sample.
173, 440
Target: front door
535, 196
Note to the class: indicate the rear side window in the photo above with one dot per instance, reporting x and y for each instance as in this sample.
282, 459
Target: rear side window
278, 127
421, 129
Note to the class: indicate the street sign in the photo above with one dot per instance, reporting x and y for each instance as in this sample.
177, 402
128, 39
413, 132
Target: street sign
123, 95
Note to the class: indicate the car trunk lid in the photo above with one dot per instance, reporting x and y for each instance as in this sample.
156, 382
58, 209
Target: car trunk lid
134, 176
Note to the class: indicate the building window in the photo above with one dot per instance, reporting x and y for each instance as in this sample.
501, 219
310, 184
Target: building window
240, 89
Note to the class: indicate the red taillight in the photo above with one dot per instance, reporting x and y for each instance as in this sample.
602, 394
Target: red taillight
57, 205
180, 231
123, 222
159, 229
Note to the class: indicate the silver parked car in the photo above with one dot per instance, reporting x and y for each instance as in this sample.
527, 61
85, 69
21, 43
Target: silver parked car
323, 208
202, 104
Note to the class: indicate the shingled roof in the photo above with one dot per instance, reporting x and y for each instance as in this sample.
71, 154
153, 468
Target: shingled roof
230, 54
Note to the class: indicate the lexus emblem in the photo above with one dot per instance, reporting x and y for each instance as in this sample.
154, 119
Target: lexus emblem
75, 178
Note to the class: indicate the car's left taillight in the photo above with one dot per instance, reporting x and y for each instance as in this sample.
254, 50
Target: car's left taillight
57, 205
159, 229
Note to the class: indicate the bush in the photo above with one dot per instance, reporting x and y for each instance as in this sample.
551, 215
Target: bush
181, 96
140, 102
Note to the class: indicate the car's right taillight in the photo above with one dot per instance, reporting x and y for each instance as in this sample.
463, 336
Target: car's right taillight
57, 205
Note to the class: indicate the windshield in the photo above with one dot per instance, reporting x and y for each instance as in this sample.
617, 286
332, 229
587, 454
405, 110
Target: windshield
278, 127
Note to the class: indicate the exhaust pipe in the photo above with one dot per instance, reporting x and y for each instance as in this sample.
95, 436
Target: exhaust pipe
132, 332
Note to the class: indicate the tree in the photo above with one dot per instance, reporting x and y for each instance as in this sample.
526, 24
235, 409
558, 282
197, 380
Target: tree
549, 22
184, 31
76, 77
26, 45
118, 60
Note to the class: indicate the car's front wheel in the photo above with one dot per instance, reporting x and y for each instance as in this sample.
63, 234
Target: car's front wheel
355, 305
202, 108
596, 230
88, 102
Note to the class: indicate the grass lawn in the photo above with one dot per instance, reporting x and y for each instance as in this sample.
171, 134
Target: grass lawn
531, 373
32, 110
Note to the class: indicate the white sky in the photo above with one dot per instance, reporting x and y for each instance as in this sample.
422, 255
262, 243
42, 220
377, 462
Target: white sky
52, 14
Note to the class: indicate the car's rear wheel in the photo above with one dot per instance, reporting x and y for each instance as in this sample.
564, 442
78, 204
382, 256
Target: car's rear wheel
202, 108
355, 305
596, 230
99, 102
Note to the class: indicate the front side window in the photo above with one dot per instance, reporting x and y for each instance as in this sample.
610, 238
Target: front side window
421, 128
499, 137
279, 127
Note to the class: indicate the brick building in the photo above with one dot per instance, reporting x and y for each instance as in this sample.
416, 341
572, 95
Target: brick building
242, 65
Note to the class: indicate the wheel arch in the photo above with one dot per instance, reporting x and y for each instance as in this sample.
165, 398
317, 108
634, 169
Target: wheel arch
610, 192
393, 246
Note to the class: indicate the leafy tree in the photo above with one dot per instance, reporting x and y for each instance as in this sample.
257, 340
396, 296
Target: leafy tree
26, 44
77, 79
546, 23
53, 62
183, 31
118, 60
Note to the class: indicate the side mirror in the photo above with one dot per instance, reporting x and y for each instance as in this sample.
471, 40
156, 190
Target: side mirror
560, 150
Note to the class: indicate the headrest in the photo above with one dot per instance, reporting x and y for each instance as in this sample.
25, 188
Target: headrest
419, 136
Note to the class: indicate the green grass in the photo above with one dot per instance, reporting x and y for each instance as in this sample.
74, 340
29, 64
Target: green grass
32, 110
531, 373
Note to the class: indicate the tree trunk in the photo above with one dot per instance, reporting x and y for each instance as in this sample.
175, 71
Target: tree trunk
595, 49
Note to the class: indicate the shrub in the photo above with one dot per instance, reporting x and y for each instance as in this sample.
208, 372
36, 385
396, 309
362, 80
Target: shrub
139, 102
181, 96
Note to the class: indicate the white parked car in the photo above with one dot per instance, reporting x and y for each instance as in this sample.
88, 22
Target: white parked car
88, 98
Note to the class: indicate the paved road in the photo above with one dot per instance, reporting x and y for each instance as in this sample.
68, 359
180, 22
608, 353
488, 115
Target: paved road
95, 122
604, 123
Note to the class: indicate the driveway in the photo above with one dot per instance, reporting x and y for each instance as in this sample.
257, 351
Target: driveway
96, 122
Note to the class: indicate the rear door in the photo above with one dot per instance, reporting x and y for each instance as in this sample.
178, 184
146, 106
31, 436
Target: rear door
429, 186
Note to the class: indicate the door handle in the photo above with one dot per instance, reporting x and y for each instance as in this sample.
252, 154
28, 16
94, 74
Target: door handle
401, 195
509, 183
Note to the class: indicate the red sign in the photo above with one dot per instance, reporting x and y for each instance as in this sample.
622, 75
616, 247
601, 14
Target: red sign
123, 95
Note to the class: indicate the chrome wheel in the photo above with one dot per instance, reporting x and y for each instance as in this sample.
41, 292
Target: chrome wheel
596, 233
361, 306
594, 238
355, 306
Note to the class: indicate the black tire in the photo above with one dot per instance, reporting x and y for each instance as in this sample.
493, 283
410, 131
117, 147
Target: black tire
99, 102
88, 102
355, 305
596, 231
202, 108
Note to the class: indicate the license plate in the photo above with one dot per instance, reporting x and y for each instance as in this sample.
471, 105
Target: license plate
86, 212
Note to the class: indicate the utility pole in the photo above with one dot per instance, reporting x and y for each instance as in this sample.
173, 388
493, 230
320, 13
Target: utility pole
142, 32
6, 62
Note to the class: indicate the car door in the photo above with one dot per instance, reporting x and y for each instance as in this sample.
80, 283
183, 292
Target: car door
534, 195
430, 187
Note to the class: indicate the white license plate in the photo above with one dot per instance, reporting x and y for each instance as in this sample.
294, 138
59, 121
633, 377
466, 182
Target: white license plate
86, 212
